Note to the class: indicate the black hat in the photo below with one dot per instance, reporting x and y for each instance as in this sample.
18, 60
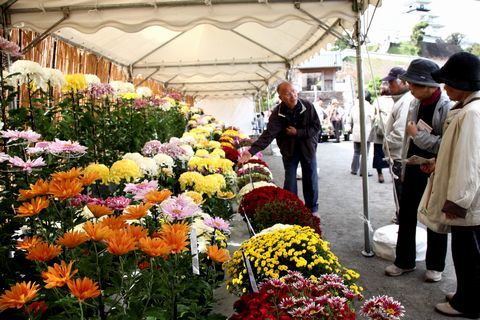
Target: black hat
394, 73
420, 72
461, 71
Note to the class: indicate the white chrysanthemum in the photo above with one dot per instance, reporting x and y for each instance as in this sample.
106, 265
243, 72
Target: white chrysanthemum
148, 166
144, 92
86, 213
273, 228
189, 152
27, 70
249, 187
92, 79
122, 87
133, 156
188, 140
54, 77
164, 160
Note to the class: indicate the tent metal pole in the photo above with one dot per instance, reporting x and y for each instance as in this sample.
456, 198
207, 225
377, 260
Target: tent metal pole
367, 251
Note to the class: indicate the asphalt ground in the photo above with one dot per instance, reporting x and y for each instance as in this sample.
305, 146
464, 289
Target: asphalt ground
343, 225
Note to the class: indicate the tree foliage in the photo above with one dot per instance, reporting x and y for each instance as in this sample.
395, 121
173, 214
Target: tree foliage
474, 49
418, 33
455, 38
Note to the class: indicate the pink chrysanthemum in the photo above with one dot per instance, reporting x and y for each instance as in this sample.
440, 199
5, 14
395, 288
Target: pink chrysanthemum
12, 135
217, 223
117, 203
383, 308
180, 207
139, 190
27, 165
60, 146
9, 47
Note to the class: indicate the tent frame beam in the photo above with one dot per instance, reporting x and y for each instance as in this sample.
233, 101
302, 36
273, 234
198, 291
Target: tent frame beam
152, 4
46, 33
214, 82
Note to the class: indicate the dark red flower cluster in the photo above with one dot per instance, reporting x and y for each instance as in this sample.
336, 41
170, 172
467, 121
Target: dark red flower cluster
295, 297
231, 153
253, 160
259, 196
286, 212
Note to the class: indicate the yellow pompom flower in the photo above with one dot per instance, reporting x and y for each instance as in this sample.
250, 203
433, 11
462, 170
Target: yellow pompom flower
124, 169
101, 169
74, 82
275, 251
129, 95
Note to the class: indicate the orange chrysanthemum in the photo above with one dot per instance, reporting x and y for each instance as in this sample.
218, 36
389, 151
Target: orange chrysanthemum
36, 308
154, 247
43, 252
58, 275
135, 212
182, 227
40, 188
28, 242
121, 242
96, 232
114, 223
65, 188
177, 241
83, 289
72, 174
89, 178
137, 232
32, 208
99, 210
157, 197
217, 254
18, 295
72, 239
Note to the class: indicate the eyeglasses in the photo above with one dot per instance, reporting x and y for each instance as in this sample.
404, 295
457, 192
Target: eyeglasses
289, 94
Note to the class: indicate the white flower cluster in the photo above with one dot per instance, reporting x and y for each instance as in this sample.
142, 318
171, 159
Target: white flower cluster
122, 87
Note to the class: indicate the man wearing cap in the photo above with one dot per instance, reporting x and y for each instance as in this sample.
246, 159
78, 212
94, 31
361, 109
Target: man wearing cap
395, 126
452, 197
423, 134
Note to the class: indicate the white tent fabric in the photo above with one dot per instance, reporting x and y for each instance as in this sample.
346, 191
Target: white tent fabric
239, 112
202, 48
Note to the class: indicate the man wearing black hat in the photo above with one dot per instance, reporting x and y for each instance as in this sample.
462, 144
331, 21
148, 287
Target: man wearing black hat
452, 198
395, 126
423, 134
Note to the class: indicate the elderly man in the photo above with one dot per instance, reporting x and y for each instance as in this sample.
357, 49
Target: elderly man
295, 125
396, 122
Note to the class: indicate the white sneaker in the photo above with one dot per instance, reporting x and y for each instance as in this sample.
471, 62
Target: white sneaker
433, 276
394, 271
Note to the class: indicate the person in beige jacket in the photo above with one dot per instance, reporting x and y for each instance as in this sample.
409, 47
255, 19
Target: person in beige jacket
452, 196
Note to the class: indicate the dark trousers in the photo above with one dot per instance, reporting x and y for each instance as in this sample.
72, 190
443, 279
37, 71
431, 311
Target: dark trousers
309, 178
414, 184
397, 170
466, 259
337, 128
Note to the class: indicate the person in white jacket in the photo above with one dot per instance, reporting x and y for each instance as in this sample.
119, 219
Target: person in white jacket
369, 113
395, 126
452, 196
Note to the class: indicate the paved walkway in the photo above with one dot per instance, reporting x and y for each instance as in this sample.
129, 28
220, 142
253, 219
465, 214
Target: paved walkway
342, 225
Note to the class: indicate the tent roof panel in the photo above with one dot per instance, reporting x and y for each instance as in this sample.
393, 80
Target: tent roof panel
171, 41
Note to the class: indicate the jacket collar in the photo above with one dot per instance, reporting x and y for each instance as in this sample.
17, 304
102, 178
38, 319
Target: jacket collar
282, 109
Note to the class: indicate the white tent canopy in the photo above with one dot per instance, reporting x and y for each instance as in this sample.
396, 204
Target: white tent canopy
203, 48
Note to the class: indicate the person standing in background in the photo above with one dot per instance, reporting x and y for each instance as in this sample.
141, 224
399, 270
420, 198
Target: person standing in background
377, 132
356, 133
423, 135
336, 118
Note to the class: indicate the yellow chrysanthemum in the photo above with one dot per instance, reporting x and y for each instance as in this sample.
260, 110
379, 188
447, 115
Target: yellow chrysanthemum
124, 169
101, 169
74, 82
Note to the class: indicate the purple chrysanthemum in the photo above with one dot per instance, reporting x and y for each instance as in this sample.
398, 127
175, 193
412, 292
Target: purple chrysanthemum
217, 223
12, 135
27, 165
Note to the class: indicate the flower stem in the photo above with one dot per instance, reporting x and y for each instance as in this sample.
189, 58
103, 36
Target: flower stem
81, 310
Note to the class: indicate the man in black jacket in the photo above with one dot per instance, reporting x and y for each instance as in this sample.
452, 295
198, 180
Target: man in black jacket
295, 125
